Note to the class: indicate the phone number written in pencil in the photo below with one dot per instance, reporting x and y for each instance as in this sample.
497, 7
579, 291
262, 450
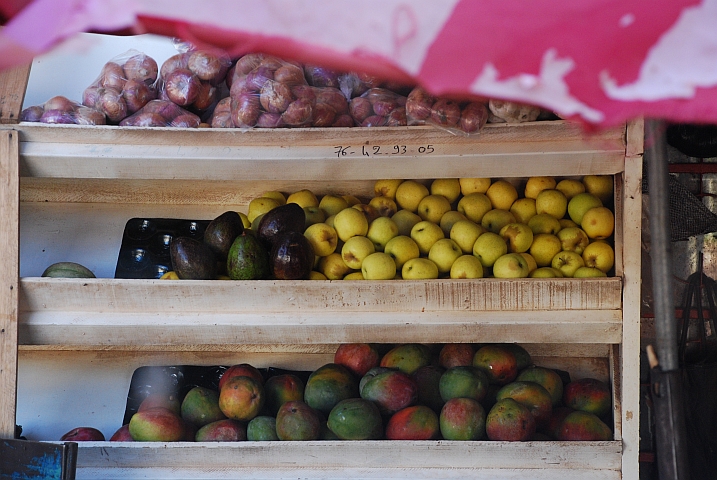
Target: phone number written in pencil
382, 150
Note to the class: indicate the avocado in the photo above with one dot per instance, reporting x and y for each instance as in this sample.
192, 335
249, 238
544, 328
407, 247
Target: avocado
292, 256
284, 218
221, 232
248, 259
192, 259
67, 270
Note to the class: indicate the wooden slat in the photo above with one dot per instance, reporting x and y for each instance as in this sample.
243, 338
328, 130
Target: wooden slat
13, 82
9, 271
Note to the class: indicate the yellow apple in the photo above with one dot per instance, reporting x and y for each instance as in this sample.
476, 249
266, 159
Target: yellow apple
532, 264
333, 266
244, 220
304, 198
332, 204
519, 237
474, 185
502, 194
510, 265
601, 186
574, 239
598, 223
488, 247
378, 266
405, 221
443, 253
314, 275
523, 209
588, 272
259, 206
546, 272
474, 206
535, 185
465, 233
330, 220
278, 196
323, 238
466, 266
599, 254
432, 208
496, 219
567, 262
449, 219
313, 215
425, 234
570, 187
544, 247
581, 203
419, 269
402, 248
355, 250
567, 223
409, 194
385, 206
351, 200
544, 223
354, 276
552, 202
448, 187
368, 210
380, 231
386, 187
350, 222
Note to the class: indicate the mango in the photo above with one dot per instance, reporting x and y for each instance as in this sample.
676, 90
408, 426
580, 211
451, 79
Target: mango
456, 354
509, 421
531, 395
588, 395
225, 430
546, 377
413, 423
463, 382
296, 420
241, 398
408, 357
428, 379
328, 385
201, 406
356, 419
83, 434
462, 419
391, 391
122, 434
585, 426
357, 357
498, 363
239, 370
161, 399
261, 429
280, 389
157, 425
370, 374
522, 357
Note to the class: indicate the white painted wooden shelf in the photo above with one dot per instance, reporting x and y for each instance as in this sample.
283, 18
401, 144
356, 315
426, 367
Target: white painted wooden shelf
79, 185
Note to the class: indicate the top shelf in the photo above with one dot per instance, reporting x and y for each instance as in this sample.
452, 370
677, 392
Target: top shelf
551, 148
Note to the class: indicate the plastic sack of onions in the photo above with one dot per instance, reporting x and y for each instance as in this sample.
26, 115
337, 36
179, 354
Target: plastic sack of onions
458, 117
62, 110
162, 113
124, 85
378, 107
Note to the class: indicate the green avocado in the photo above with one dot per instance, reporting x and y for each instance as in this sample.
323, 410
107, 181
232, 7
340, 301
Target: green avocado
248, 259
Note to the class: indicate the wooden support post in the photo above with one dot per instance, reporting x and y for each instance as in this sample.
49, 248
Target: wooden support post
13, 83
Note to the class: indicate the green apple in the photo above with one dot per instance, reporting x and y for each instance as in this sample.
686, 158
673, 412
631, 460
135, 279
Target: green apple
333, 266
304, 198
511, 265
465, 233
449, 219
588, 272
425, 234
523, 209
380, 231
432, 208
544, 223
448, 187
552, 202
546, 272
474, 206
599, 254
502, 194
466, 266
313, 215
259, 206
519, 237
535, 185
496, 219
474, 185
574, 239
350, 222
409, 194
386, 187
405, 221
570, 187
402, 248
488, 247
581, 203
598, 223
385, 206
378, 266
600, 185
332, 204
323, 238
355, 250
544, 247
443, 253
567, 262
419, 269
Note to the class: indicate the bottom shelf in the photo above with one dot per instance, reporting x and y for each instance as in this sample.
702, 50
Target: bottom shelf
355, 459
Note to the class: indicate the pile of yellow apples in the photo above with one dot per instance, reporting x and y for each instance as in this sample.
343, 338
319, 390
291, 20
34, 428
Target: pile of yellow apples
460, 228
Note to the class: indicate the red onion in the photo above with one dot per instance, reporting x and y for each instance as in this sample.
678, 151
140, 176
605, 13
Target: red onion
247, 63
397, 118
374, 121
90, 96
207, 66
290, 75
182, 86
334, 98
321, 77
360, 109
473, 117
185, 120
174, 62
142, 68
222, 119
59, 102
256, 79
298, 113
446, 113
245, 110
136, 94
269, 120
323, 115
275, 97
112, 104
32, 114
89, 116
112, 76
167, 109
206, 97
418, 104
144, 119
305, 92
344, 120
57, 116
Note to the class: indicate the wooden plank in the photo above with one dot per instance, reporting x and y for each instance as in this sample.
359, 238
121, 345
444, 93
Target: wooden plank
533, 296
9, 272
13, 82
37, 460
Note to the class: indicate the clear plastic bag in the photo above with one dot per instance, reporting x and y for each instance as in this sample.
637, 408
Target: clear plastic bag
62, 110
162, 113
464, 118
378, 107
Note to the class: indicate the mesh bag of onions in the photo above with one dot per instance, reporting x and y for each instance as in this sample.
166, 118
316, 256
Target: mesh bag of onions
62, 110
378, 107
457, 117
125, 84
162, 113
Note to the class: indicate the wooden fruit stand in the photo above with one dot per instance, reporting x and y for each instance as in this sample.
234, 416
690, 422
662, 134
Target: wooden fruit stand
71, 189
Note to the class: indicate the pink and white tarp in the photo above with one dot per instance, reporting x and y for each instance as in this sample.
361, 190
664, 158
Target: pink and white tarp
598, 61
